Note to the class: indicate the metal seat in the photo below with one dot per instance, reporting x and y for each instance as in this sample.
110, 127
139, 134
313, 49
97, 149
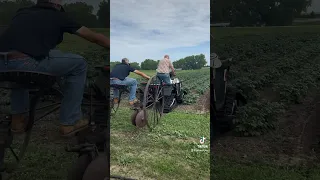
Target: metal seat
23, 79
118, 86
26, 79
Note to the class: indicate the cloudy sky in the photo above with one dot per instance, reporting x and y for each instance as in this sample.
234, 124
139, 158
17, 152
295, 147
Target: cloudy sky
315, 6
150, 29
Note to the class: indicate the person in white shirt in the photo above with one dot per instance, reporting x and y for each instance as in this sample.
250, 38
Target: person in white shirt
164, 68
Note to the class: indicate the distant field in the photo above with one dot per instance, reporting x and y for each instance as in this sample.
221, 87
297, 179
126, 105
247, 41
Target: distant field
195, 82
224, 32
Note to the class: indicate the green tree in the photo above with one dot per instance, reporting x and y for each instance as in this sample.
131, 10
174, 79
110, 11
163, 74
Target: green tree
82, 13
104, 14
9, 8
191, 62
253, 12
135, 65
113, 63
149, 64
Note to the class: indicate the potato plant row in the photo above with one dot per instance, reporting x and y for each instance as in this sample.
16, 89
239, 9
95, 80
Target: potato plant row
273, 71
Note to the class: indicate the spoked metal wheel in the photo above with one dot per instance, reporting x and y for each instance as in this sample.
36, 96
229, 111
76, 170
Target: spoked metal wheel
153, 102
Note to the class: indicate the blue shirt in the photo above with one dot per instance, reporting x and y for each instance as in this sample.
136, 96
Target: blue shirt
121, 71
36, 30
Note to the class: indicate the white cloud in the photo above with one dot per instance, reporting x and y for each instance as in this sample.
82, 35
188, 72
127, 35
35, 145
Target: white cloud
149, 29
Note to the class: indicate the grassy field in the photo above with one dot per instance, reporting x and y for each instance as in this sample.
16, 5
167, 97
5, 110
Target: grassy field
46, 158
165, 153
170, 151
277, 69
228, 169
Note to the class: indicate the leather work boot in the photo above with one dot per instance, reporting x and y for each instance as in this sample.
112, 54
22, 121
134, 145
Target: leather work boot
18, 123
70, 130
115, 100
134, 102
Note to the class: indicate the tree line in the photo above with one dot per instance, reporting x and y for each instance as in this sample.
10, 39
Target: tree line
79, 11
187, 63
257, 12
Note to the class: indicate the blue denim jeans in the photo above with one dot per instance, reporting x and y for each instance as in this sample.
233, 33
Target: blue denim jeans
165, 77
72, 67
130, 82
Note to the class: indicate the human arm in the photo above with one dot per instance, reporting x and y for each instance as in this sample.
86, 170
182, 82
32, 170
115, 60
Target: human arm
72, 27
141, 74
172, 68
93, 37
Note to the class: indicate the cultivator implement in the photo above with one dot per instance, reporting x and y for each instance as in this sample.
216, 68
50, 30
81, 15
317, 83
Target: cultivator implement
226, 98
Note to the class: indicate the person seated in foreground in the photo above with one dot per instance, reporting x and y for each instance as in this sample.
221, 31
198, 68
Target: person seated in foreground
29, 40
164, 68
119, 76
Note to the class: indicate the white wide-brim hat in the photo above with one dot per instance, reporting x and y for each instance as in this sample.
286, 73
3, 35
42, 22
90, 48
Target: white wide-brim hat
215, 62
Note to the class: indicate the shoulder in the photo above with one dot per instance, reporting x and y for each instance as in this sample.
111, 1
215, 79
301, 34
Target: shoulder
27, 9
131, 68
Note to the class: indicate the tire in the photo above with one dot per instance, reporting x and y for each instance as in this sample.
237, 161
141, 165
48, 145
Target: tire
79, 168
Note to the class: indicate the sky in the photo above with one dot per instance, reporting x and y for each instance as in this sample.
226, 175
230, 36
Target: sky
315, 6
143, 29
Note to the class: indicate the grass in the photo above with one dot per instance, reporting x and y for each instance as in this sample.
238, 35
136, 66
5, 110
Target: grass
46, 158
234, 171
227, 169
165, 153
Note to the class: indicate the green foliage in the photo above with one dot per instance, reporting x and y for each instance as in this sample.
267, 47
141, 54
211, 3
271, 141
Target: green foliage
273, 70
9, 8
188, 63
255, 12
191, 62
257, 117
82, 13
135, 65
104, 13
149, 64
113, 63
